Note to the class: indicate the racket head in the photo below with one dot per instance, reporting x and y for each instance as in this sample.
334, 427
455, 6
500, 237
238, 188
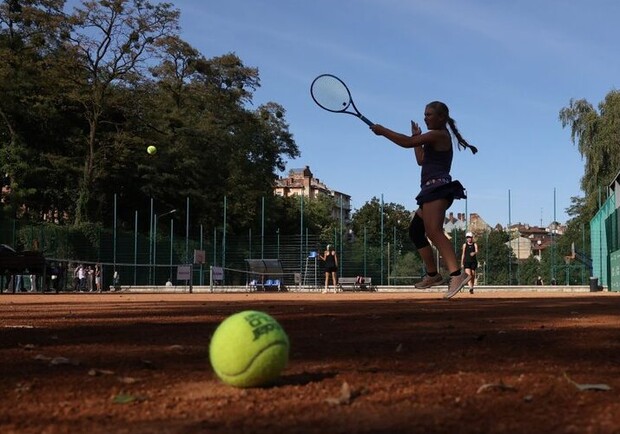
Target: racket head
330, 93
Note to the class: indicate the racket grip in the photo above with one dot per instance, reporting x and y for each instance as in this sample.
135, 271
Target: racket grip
369, 123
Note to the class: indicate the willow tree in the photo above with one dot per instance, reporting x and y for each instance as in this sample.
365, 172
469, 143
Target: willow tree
597, 136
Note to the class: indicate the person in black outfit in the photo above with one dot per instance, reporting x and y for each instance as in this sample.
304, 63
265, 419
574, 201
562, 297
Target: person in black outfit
469, 260
331, 267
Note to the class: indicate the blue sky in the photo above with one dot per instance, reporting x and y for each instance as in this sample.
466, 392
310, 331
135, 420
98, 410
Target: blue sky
505, 69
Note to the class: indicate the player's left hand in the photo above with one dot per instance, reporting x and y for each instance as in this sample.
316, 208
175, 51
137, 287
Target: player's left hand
415, 129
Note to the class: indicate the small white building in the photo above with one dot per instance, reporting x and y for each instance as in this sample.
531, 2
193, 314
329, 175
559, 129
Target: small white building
521, 247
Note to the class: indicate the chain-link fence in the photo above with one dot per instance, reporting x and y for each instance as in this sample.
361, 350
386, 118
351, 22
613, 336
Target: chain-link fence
391, 263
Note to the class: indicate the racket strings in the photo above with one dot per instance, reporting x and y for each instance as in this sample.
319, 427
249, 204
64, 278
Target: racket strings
331, 94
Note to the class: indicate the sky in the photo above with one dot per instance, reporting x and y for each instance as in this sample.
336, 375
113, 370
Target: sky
505, 69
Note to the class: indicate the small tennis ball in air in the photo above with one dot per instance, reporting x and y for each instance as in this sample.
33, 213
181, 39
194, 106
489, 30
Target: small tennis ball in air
151, 150
249, 349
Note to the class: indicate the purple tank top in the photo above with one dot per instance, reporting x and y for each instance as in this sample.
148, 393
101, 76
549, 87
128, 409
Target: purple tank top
436, 164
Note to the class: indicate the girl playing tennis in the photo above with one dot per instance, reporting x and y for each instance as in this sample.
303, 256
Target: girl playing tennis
433, 151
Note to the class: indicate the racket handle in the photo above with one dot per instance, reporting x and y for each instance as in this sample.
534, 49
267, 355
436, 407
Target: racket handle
370, 124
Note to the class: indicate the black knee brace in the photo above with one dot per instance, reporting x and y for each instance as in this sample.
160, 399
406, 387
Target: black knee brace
417, 233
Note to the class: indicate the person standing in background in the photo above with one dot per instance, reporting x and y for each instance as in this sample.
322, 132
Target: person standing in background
331, 267
469, 259
98, 277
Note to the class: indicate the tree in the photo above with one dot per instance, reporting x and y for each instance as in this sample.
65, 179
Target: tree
576, 239
87, 93
376, 227
493, 257
195, 111
597, 136
367, 220
32, 108
409, 265
320, 219
111, 40
283, 214
529, 270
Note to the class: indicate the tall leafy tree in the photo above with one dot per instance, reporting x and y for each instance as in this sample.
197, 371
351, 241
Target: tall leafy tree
368, 219
597, 136
493, 257
529, 270
195, 110
283, 214
111, 41
577, 231
32, 113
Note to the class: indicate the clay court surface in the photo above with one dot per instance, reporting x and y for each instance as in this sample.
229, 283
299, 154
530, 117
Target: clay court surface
360, 363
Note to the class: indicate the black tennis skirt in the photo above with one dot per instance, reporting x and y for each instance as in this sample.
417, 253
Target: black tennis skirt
451, 190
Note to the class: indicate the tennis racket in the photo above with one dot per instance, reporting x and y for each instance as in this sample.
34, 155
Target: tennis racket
331, 94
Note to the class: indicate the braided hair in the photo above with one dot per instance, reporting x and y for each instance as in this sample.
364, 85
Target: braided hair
442, 108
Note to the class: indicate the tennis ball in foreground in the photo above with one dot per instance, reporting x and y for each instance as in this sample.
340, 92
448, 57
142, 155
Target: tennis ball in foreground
151, 150
249, 349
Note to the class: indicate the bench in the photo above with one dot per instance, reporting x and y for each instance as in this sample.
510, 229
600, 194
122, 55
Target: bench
263, 272
267, 285
358, 283
272, 284
255, 284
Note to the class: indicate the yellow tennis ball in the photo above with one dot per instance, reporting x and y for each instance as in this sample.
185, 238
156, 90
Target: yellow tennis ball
249, 349
151, 150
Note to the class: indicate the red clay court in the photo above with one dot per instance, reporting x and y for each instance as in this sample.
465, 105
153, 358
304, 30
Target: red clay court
510, 362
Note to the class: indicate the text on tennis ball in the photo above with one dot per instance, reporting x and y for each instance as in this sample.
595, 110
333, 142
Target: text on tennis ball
261, 325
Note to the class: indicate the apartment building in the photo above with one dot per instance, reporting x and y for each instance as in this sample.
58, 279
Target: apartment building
301, 182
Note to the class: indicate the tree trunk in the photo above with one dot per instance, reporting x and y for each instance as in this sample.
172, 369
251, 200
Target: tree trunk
82, 205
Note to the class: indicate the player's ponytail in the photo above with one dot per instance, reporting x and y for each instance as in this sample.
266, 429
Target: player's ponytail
443, 108
461, 141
